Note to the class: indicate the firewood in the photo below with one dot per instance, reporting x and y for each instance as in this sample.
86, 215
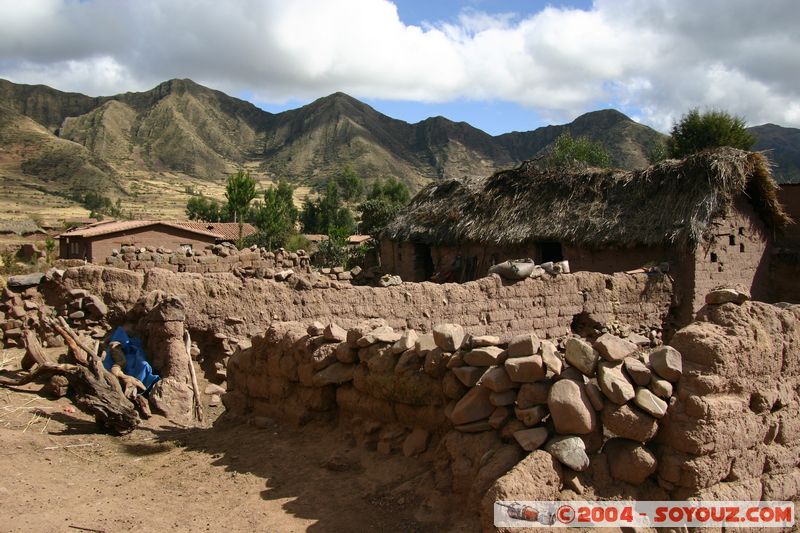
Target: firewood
97, 391
198, 406
34, 354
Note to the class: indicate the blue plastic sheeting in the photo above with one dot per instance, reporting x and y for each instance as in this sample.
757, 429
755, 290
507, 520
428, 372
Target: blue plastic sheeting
136, 363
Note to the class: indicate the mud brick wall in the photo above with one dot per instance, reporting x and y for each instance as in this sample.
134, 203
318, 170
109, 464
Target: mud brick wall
245, 307
784, 273
735, 256
734, 432
212, 259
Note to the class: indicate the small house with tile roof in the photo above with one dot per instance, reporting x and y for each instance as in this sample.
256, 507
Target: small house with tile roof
95, 242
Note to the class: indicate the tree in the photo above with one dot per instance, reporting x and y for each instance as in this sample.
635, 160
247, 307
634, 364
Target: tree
240, 191
326, 213
568, 149
376, 214
206, 209
333, 251
276, 217
384, 202
309, 216
658, 152
697, 131
49, 248
350, 184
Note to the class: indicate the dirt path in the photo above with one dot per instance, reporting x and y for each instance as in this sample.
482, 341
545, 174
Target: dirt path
58, 474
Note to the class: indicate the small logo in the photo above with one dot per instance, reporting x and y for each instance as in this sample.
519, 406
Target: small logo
565, 514
526, 513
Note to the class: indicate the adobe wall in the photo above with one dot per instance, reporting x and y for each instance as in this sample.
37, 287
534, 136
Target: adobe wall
398, 258
246, 306
784, 272
789, 197
737, 255
616, 260
734, 431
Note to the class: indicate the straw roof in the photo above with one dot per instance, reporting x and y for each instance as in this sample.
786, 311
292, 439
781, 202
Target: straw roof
672, 202
19, 227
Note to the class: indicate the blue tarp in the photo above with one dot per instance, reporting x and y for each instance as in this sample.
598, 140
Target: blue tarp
136, 363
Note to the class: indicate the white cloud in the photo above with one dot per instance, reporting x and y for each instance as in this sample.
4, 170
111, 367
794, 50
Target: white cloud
659, 57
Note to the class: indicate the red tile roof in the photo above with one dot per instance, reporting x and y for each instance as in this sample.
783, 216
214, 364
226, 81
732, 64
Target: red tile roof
228, 231
224, 231
358, 239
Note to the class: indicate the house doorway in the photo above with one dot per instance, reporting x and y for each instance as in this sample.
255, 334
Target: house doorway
551, 251
423, 261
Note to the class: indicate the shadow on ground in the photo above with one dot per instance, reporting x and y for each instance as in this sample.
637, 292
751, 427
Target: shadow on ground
322, 475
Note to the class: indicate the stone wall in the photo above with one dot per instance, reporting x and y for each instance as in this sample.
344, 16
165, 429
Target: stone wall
217, 258
244, 307
714, 415
400, 391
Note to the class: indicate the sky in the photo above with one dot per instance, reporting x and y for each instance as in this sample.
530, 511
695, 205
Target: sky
501, 65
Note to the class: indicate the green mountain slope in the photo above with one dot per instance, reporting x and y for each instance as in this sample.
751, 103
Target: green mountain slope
783, 148
180, 135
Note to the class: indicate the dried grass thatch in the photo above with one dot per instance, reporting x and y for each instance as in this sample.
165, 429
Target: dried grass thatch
672, 202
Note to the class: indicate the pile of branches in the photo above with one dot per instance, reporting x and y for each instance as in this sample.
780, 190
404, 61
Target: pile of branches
96, 390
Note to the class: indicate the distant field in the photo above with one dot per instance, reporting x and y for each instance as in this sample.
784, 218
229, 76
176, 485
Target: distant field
149, 195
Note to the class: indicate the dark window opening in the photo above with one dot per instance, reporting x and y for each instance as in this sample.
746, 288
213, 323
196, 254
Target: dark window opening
741, 231
732, 240
423, 261
741, 247
713, 257
551, 251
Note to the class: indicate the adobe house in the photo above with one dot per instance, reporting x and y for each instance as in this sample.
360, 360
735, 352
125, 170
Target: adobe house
712, 216
95, 242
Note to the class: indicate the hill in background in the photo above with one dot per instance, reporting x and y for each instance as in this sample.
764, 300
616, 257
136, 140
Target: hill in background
152, 149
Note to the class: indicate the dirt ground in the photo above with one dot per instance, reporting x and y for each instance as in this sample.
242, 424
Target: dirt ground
58, 473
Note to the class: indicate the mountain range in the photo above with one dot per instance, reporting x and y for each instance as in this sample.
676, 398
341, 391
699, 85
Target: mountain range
181, 135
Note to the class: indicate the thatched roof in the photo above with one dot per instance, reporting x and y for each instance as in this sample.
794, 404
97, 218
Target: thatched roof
19, 227
672, 202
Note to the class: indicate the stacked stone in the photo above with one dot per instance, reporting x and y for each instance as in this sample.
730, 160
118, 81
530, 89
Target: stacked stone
354, 274
22, 307
527, 390
373, 373
83, 310
250, 262
18, 312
